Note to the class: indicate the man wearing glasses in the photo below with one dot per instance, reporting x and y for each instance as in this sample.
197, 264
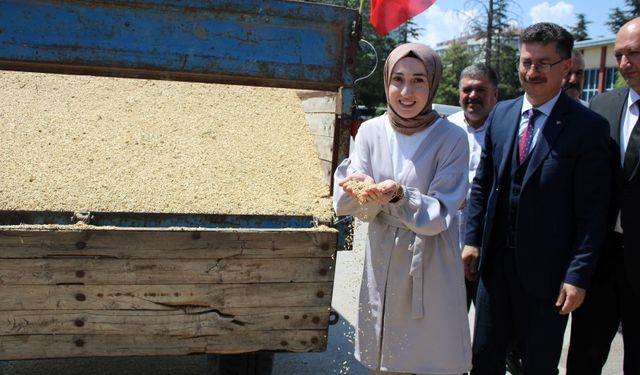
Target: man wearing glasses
537, 211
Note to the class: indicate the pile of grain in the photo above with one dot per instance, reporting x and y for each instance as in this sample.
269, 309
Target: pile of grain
75, 143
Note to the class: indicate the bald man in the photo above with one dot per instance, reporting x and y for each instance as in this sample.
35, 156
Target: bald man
574, 80
614, 296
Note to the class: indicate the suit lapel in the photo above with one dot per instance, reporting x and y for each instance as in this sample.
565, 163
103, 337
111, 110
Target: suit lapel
554, 125
617, 108
508, 133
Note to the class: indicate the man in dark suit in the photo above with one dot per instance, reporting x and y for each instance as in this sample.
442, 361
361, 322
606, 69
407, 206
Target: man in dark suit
615, 293
537, 215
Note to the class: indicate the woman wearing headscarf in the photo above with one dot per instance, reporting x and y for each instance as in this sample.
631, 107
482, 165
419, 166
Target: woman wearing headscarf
407, 177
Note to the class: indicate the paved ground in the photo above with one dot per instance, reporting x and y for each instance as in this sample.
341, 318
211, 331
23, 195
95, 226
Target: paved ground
338, 359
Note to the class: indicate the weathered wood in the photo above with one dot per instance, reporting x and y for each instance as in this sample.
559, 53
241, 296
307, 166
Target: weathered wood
318, 101
163, 271
178, 322
324, 145
62, 346
164, 297
327, 172
165, 243
321, 123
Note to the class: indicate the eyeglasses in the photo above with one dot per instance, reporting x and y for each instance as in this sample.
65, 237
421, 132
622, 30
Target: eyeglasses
539, 67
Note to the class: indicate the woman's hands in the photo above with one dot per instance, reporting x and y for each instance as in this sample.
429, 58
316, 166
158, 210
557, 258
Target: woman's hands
365, 190
387, 189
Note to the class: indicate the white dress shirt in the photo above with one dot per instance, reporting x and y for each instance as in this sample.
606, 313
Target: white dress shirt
476, 143
627, 122
545, 110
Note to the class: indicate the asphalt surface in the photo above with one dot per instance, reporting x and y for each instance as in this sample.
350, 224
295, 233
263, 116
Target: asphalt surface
338, 359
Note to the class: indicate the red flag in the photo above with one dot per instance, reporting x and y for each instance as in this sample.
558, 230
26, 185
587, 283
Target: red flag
386, 15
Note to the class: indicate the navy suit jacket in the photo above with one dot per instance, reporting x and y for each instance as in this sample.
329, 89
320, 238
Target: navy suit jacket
562, 207
626, 191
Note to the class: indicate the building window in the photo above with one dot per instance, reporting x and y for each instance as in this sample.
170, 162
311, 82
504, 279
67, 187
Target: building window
610, 79
590, 88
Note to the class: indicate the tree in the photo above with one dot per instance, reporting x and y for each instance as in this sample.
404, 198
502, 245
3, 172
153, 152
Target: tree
454, 59
619, 17
495, 26
579, 31
508, 80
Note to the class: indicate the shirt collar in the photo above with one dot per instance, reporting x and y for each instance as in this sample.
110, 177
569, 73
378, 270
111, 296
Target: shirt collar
545, 108
471, 129
633, 97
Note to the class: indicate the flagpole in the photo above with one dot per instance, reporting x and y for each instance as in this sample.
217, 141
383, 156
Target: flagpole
361, 6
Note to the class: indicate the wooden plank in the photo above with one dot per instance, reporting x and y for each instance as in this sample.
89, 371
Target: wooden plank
63, 346
164, 297
319, 102
188, 322
163, 271
321, 123
327, 173
324, 146
165, 244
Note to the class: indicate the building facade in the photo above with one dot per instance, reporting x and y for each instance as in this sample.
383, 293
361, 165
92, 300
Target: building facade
599, 66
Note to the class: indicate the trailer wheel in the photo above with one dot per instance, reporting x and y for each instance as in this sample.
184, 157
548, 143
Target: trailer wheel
258, 363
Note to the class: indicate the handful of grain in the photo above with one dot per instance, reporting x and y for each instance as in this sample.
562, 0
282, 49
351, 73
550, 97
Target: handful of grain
358, 188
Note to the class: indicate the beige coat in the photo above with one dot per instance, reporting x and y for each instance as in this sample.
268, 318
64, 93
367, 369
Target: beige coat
412, 311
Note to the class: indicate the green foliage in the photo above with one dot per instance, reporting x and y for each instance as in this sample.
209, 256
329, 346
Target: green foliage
506, 59
494, 24
619, 17
454, 59
579, 31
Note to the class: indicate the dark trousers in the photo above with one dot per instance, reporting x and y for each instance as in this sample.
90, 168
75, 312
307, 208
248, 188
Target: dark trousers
506, 312
472, 290
609, 301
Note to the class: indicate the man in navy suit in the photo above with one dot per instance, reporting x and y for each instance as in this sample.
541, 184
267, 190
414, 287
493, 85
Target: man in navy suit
537, 211
615, 294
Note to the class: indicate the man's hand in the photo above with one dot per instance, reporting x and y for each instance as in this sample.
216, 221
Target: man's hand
570, 298
470, 256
